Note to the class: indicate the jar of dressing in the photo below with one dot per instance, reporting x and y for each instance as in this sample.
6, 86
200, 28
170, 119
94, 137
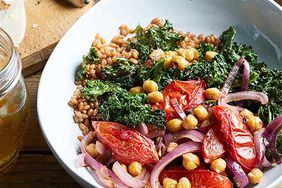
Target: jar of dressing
14, 102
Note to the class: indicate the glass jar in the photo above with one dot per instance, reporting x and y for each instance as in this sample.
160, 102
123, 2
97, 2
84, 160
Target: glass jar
14, 102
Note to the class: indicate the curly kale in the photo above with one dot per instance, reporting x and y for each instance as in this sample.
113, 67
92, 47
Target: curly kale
96, 88
131, 110
119, 105
91, 58
122, 73
159, 37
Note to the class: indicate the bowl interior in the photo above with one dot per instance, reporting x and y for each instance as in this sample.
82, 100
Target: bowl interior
257, 23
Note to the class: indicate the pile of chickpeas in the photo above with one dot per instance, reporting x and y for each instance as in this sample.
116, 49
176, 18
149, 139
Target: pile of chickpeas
151, 88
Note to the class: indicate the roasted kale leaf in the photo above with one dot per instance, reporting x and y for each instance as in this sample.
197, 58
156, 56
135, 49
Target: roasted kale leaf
119, 105
158, 37
131, 110
91, 58
122, 73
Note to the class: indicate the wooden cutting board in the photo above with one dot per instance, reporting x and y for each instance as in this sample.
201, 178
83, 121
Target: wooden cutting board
47, 22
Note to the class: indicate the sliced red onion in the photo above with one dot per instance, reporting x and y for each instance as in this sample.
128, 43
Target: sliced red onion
240, 176
259, 144
272, 126
100, 148
177, 108
168, 138
142, 128
276, 156
80, 160
244, 95
177, 152
98, 167
232, 74
195, 136
100, 180
127, 178
265, 163
161, 148
271, 133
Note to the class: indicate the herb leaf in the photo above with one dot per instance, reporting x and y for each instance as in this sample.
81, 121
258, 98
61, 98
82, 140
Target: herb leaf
159, 37
131, 110
90, 58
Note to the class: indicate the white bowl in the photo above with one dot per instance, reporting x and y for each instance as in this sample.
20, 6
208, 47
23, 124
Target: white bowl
258, 23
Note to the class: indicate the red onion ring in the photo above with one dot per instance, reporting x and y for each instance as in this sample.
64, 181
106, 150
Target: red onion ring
276, 156
142, 128
168, 138
79, 162
100, 180
240, 177
265, 163
272, 126
98, 167
177, 108
177, 152
161, 147
259, 144
127, 178
271, 133
232, 74
195, 136
244, 95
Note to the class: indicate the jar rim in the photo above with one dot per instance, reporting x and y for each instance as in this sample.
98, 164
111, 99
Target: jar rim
11, 50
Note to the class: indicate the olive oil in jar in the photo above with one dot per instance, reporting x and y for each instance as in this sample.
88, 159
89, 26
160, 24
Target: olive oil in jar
14, 103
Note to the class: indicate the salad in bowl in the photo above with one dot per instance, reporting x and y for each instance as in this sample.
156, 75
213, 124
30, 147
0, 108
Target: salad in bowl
159, 107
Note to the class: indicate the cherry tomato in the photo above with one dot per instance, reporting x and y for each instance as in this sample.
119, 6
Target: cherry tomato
198, 178
189, 94
212, 147
237, 138
126, 144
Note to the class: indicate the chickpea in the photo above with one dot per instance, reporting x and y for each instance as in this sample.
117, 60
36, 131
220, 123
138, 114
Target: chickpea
135, 168
254, 123
195, 53
218, 165
169, 183
190, 54
190, 161
171, 146
174, 125
155, 97
149, 86
169, 55
210, 55
135, 90
181, 62
246, 113
190, 122
183, 183
124, 167
255, 176
168, 59
201, 113
212, 93
91, 150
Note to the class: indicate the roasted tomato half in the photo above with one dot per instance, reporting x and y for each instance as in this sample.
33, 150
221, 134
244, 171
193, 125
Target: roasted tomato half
126, 144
